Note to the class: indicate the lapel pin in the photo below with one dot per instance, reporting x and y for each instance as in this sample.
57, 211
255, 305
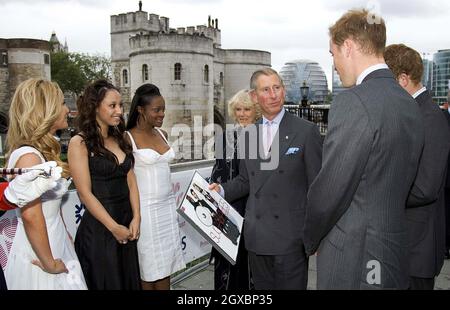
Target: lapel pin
287, 137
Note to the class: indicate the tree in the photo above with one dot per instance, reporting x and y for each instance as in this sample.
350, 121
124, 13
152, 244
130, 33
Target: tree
74, 71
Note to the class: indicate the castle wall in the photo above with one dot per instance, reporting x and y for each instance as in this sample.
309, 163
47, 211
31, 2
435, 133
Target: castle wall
125, 25
26, 58
139, 39
187, 99
239, 67
4, 90
117, 68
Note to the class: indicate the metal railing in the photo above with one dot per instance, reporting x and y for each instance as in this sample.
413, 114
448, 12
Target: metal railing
318, 114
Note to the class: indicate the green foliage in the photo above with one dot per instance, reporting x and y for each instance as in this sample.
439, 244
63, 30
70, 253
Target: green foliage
74, 71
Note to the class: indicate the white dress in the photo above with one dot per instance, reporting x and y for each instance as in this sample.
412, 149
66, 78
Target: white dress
20, 273
159, 244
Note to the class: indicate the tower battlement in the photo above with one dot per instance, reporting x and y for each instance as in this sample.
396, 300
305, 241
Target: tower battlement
138, 21
141, 22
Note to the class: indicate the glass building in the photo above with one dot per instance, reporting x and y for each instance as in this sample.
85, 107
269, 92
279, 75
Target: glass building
427, 79
294, 73
441, 76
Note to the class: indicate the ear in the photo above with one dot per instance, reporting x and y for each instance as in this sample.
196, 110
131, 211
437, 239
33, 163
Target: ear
253, 96
403, 80
347, 47
140, 109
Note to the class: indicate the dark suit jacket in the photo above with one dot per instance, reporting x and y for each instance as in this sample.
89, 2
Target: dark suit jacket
447, 116
275, 211
426, 202
356, 205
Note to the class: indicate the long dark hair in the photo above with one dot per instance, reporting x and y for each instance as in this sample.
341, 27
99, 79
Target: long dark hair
142, 97
88, 127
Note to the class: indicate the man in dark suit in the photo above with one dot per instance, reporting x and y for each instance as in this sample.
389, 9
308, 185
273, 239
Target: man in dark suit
355, 216
425, 206
276, 192
446, 112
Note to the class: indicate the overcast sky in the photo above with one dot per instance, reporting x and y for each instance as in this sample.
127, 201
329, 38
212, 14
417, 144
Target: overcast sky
289, 29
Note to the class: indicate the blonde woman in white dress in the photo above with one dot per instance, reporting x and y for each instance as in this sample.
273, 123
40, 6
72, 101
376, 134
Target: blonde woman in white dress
42, 255
159, 245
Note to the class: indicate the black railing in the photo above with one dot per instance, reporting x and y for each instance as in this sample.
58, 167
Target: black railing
318, 114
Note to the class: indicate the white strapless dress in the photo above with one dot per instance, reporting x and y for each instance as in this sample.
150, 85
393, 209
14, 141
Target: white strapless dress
20, 273
159, 244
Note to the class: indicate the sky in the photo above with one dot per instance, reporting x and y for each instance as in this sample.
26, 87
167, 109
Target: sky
288, 29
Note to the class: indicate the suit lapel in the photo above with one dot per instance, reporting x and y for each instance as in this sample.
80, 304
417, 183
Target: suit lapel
285, 136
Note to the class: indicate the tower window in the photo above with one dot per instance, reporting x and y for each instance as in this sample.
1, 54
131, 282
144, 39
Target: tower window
177, 73
46, 59
221, 78
206, 74
125, 77
4, 59
144, 73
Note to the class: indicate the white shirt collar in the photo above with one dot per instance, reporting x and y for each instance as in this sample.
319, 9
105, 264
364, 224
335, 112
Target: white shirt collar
369, 70
419, 92
277, 119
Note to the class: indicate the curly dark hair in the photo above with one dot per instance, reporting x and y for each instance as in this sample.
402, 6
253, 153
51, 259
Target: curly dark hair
90, 130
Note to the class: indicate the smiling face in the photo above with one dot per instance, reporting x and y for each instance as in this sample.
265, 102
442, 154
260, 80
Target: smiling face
110, 110
245, 115
154, 112
269, 93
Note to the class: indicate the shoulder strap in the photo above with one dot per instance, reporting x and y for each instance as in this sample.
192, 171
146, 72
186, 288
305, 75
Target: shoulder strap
133, 144
162, 135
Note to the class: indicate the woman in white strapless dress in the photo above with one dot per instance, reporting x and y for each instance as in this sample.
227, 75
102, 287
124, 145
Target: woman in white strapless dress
42, 256
159, 245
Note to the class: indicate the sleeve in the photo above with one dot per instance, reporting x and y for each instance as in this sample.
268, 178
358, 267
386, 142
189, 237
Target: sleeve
432, 166
313, 154
4, 204
345, 154
238, 187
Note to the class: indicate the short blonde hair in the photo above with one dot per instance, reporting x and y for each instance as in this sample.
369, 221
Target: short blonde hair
363, 27
242, 97
35, 107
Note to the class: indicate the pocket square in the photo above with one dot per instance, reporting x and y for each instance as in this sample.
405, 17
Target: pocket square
292, 151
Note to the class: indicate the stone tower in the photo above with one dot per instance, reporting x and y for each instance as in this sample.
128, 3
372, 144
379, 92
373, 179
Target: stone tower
195, 76
21, 59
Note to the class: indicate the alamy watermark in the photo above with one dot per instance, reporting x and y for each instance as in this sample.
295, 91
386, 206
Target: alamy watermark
374, 8
198, 142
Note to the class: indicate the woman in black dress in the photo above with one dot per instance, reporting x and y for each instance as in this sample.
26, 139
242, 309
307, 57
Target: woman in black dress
101, 161
244, 112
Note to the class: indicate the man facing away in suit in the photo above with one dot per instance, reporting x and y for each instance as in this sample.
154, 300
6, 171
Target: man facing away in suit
446, 112
355, 215
276, 202
426, 202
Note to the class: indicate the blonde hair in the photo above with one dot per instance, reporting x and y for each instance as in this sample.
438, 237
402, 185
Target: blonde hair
35, 108
242, 97
362, 26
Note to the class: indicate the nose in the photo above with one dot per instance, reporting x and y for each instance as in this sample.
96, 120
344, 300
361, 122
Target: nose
119, 110
272, 93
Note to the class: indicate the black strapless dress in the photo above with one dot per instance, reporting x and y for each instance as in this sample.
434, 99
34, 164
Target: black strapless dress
106, 264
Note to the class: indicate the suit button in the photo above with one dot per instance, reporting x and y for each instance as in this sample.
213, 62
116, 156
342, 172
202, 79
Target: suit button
275, 196
257, 196
258, 217
281, 171
276, 217
252, 173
